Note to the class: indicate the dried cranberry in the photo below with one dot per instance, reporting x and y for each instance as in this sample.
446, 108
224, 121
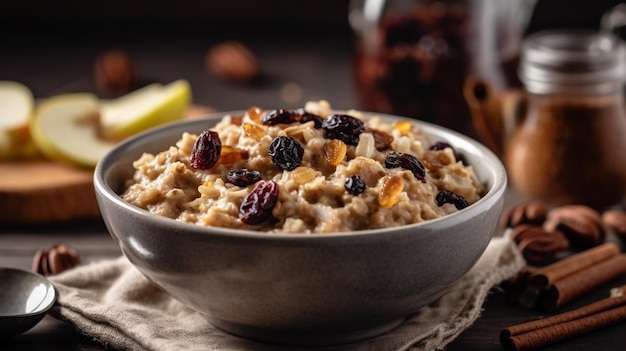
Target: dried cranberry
355, 185
343, 127
307, 116
407, 161
258, 205
206, 150
286, 153
450, 197
243, 177
280, 116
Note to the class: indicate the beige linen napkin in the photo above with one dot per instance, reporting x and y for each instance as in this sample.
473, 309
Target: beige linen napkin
112, 302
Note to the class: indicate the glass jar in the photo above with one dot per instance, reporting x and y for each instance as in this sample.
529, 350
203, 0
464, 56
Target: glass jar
412, 57
570, 145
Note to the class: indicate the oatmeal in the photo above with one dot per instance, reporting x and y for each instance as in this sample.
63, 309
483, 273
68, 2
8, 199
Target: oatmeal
297, 172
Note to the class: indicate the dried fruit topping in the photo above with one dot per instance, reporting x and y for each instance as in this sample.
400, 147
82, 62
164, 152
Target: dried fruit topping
407, 161
343, 127
257, 207
255, 113
231, 154
236, 120
253, 131
286, 152
390, 190
303, 175
307, 117
283, 116
450, 197
279, 116
206, 150
243, 177
355, 185
404, 127
334, 151
382, 140
441, 145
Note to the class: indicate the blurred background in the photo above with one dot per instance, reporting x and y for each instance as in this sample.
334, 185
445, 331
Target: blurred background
303, 48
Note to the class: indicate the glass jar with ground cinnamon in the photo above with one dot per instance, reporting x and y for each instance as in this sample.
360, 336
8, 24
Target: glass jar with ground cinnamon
570, 144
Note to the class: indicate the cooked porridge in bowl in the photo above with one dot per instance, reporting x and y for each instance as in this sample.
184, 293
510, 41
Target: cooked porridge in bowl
294, 171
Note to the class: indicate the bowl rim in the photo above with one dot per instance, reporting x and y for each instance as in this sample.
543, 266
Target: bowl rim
494, 192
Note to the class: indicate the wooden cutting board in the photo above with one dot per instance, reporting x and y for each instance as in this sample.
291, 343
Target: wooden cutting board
44, 191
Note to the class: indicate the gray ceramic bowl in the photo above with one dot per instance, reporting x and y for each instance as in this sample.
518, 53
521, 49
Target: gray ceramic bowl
299, 289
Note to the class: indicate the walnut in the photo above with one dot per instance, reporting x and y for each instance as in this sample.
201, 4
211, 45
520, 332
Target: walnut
232, 61
55, 260
581, 224
533, 212
114, 72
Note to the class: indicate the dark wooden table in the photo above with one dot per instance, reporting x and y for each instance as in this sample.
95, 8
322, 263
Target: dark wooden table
317, 66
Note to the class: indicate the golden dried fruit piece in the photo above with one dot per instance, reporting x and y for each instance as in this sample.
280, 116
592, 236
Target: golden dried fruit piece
253, 131
303, 175
404, 127
390, 189
231, 154
334, 151
255, 113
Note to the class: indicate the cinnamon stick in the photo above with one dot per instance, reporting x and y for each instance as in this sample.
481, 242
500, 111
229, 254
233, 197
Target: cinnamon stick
564, 326
575, 285
546, 276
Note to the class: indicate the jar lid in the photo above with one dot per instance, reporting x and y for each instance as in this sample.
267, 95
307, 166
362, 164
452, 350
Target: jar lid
573, 61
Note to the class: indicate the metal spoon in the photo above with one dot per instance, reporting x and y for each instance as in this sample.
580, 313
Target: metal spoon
25, 298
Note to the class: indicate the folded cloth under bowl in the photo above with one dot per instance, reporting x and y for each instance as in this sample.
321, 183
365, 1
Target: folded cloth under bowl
114, 303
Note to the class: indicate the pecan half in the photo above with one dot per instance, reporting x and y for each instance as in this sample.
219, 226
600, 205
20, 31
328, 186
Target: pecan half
615, 221
58, 258
581, 224
537, 245
526, 212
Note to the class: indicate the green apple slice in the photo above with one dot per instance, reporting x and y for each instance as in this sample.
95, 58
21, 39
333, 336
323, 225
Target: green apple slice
144, 108
16, 108
64, 128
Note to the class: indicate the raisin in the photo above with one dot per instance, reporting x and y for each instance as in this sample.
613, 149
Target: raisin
307, 117
343, 127
206, 150
390, 189
450, 197
231, 154
382, 140
286, 153
253, 131
280, 116
257, 206
407, 161
440, 145
243, 177
404, 127
255, 113
355, 185
334, 151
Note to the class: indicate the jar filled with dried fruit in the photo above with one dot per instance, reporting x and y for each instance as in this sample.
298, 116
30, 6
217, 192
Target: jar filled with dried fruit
412, 57
570, 144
